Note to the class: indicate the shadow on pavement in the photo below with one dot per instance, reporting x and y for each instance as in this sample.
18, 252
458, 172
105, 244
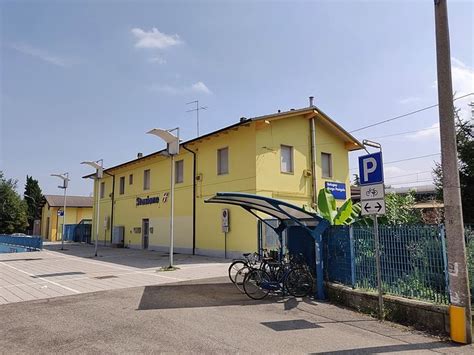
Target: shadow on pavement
394, 348
136, 258
194, 295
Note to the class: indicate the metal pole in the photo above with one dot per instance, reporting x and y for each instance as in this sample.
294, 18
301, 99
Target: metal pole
98, 214
460, 309
378, 266
172, 212
64, 214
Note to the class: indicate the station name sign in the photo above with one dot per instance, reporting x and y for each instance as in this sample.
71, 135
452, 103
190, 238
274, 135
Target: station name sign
147, 201
337, 189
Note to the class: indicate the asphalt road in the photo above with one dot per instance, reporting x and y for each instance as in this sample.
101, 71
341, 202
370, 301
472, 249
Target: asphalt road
206, 316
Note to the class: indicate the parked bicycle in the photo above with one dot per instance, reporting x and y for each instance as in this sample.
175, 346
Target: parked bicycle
291, 276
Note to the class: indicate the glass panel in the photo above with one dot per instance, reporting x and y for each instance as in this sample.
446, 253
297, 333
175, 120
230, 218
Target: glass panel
122, 185
223, 161
179, 171
286, 159
146, 180
326, 164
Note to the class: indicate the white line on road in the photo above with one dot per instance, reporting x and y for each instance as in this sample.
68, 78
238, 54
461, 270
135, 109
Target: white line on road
41, 278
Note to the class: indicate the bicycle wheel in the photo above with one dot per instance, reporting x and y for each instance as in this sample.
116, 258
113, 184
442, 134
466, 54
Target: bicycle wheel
256, 284
240, 277
234, 269
299, 283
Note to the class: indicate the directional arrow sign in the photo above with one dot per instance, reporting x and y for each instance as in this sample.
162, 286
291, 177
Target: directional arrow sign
373, 207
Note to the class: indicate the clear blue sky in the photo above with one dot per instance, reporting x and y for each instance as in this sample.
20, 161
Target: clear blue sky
85, 80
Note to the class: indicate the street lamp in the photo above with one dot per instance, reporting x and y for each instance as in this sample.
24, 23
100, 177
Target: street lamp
65, 178
172, 142
99, 174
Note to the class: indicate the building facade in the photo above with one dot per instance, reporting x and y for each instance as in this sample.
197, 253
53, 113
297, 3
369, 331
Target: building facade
288, 155
78, 208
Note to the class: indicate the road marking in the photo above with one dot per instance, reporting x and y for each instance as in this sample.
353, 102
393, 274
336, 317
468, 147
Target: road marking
41, 278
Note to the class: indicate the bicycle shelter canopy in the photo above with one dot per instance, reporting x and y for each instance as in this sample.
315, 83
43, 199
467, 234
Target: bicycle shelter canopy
278, 209
284, 212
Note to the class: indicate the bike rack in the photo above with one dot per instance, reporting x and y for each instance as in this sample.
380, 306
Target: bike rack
283, 212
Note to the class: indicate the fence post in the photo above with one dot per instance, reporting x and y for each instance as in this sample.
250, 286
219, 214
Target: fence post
445, 260
352, 251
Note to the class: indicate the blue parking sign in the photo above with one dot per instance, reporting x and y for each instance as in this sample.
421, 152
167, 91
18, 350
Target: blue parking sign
371, 169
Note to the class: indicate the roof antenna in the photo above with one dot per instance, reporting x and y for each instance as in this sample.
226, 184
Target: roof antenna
197, 109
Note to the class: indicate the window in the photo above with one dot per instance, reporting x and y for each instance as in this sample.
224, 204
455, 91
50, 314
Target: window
286, 163
326, 165
146, 179
130, 179
102, 189
122, 185
222, 161
179, 171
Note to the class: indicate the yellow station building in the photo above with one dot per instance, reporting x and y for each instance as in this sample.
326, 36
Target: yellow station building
287, 155
78, 208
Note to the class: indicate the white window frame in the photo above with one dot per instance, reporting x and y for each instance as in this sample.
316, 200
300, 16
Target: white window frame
292, 160
220, 170
146, 179
329, 155
179, 168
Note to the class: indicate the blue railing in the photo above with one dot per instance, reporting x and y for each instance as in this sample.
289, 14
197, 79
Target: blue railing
22, 241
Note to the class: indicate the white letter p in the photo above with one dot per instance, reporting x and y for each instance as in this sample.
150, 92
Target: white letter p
372, 168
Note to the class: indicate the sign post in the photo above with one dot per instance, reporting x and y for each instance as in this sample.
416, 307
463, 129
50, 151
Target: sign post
372, 193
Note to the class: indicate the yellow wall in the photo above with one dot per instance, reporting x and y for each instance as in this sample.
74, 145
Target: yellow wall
241, 178
254, 167
129, 215
296, 187
73, 216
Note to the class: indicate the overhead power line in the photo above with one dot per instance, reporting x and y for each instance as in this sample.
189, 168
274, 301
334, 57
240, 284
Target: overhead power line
406, 132
406, 114
406, 159
418, 173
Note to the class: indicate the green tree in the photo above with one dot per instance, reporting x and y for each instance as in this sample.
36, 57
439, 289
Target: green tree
13, 210
33, 197
465, 147
400, 209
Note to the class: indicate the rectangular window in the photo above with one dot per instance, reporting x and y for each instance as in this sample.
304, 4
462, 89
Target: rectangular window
286, 162
146, 179
122, 185
130, 179
326, 165
222, 161
102, 189
179, 171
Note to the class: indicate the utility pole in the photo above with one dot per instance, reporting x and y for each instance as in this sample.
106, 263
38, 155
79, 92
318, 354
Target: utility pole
460, 307
197, 109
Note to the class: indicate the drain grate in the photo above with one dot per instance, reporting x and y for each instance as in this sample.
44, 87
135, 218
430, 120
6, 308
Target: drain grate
296, 324
105, 277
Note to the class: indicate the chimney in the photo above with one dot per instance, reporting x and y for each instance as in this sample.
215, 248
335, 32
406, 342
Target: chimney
242, 119
139, 155
311, 99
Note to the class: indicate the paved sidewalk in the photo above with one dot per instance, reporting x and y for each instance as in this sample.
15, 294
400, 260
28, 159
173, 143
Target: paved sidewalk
53, 272
204, 316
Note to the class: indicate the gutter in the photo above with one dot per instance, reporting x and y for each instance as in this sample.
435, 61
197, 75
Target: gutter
194, 196
313, 164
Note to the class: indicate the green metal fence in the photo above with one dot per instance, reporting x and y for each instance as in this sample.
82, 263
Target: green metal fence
413, 261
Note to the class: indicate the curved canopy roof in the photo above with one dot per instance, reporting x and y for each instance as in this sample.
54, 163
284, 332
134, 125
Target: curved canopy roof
275, 208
